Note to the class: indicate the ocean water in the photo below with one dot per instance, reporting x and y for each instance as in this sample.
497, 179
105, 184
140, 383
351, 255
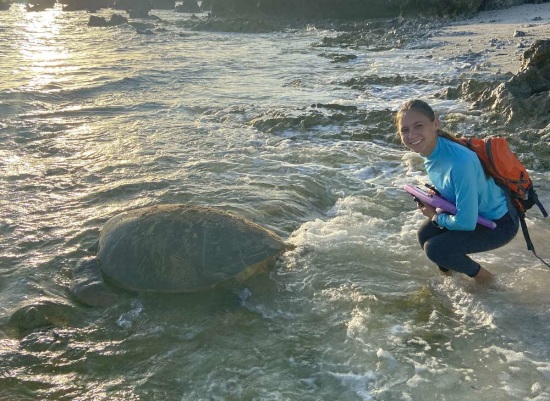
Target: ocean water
95, 121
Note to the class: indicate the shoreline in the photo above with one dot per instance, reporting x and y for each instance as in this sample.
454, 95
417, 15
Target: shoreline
493, 41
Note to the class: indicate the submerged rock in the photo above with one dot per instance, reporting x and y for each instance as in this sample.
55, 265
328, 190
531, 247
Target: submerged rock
41, 315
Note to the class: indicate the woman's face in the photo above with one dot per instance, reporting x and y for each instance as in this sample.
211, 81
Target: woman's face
418, 132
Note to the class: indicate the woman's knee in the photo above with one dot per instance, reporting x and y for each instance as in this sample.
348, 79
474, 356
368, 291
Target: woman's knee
435, 253
446, 259
426, 231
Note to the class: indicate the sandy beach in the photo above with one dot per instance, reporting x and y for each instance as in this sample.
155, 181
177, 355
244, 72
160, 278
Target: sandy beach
495, 40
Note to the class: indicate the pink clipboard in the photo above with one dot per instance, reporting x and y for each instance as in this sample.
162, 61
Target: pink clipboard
436, 201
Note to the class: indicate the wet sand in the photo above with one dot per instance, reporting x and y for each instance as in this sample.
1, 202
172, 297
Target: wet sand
493, 41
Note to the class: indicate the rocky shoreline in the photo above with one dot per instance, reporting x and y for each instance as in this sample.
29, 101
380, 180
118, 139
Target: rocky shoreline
506, 58
505, 51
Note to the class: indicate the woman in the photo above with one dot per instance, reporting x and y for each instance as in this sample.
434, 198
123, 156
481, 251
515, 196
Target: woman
457, 174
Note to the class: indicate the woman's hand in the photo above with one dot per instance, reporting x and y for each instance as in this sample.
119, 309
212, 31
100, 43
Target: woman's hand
427, 211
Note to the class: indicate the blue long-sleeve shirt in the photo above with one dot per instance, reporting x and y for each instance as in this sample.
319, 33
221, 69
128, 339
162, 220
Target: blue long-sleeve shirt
457, 174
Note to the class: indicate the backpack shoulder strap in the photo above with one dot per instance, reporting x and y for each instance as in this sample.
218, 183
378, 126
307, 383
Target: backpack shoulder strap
525, 232
535, 198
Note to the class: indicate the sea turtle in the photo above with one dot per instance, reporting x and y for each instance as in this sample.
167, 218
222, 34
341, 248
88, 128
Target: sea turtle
173, 248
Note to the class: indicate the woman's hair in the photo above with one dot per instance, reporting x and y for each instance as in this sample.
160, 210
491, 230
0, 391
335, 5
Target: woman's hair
421, 106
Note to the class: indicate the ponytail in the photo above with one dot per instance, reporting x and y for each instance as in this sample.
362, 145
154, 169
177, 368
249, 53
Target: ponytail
449, 136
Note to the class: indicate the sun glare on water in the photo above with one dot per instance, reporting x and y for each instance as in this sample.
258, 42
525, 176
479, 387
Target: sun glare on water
43, 57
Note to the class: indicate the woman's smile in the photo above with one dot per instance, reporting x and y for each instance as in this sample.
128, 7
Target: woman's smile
418, 132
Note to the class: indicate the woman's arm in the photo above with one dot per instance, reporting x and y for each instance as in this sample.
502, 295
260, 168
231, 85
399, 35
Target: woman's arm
464, 182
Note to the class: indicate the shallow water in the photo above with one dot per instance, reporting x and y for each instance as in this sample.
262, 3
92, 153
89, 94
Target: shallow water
94, 121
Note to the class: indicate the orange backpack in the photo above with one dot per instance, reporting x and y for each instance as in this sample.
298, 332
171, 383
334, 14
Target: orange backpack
510, 174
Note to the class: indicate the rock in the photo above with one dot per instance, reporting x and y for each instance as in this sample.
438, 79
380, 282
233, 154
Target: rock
40, 315
524, 98
339, 107
116, 19
342, 58
96, 21
527, 95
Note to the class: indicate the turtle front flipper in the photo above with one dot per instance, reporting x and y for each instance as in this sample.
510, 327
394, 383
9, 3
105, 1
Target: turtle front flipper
88, 285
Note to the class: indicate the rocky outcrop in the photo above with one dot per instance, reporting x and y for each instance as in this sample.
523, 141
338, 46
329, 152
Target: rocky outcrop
527, 95
524, 98
115, 20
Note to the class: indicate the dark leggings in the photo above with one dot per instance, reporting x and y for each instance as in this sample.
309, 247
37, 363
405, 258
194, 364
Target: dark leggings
449, 249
